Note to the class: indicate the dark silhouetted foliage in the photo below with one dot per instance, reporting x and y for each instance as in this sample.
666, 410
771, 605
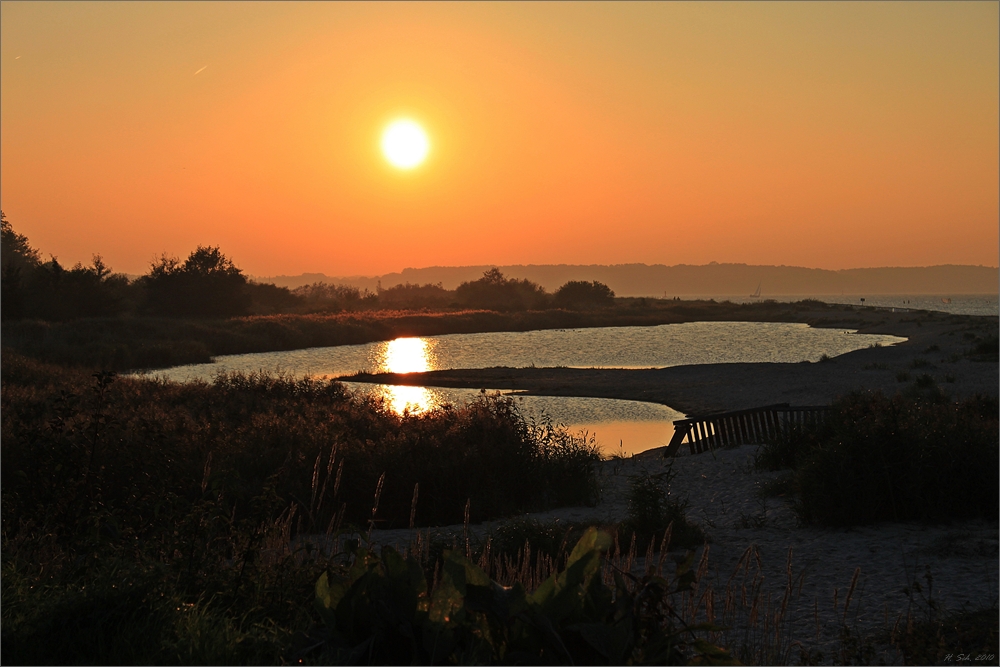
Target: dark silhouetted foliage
327, 298
207, 284
47, 290
915, 456
581, 294
268, 299
17, 259
415, 296
494, 291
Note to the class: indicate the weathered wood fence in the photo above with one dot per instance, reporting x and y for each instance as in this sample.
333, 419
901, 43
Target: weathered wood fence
741, 427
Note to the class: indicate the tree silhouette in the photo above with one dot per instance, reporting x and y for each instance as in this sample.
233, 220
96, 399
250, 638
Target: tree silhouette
17, 259
581, 294
207, 284
497, 292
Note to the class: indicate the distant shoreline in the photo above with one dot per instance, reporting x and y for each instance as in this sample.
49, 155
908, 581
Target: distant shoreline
697, 281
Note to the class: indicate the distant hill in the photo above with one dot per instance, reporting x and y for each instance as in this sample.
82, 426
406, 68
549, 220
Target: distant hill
706, 280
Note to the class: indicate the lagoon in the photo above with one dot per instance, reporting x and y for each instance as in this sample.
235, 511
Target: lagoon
619, 426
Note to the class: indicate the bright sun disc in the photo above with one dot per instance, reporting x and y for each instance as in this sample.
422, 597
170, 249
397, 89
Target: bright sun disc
405, 144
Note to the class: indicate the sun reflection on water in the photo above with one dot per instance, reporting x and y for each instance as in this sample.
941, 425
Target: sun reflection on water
406, 355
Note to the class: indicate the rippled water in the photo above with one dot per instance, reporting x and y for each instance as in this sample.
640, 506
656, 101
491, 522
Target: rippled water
626, 426
605, 347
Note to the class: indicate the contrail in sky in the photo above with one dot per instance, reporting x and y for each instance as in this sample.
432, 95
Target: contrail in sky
200, 71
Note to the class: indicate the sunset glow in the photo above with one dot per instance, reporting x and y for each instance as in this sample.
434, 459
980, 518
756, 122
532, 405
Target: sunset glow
825, 135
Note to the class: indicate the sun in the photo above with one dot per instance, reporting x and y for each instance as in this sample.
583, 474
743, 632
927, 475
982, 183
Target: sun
405, 144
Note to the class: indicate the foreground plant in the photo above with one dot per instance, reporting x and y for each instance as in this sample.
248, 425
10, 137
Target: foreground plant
380, 610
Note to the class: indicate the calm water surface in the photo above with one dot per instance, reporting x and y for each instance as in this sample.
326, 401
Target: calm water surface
627, 426
604, 347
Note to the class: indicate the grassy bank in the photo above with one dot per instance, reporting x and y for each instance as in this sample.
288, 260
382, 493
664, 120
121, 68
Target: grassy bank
130, 343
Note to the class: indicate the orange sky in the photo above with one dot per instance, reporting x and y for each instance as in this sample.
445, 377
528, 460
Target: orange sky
825, 135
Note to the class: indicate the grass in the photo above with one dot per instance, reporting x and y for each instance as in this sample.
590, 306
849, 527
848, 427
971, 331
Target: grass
914, 456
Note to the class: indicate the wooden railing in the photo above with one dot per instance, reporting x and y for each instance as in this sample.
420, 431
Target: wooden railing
741, 427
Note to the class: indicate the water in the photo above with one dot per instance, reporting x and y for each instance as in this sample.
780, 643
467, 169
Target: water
629, 426
606, 347
617, 426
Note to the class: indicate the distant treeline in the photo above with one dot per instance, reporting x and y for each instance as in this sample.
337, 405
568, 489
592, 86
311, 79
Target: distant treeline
645, 280
209, 285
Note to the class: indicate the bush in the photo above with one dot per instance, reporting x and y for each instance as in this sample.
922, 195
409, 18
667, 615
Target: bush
577, 294
651, 511
494, 291
911, 457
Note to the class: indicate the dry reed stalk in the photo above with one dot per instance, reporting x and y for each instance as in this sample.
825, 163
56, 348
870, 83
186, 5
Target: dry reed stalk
277, 536
413, 504
465, 527
208, 471
484, 558
789, 586
378, 496
314, 484
524, 571
631, 555
336, 483
664, 547
850, 593
326, 478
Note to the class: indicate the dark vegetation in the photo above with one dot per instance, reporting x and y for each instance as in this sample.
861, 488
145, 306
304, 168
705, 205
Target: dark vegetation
914, 456
579, 294
652, 512
151, 522
146, 522
382, 611
208, 285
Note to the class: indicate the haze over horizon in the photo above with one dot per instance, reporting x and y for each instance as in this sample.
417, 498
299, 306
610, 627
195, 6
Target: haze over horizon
822, 135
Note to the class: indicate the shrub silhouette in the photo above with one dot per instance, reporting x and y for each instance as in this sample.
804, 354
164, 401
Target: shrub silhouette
578, 294
494, 291
207, 284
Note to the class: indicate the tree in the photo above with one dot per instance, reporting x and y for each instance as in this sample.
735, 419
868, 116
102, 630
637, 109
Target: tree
579, 294
207, 284
495, 291
17, 260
